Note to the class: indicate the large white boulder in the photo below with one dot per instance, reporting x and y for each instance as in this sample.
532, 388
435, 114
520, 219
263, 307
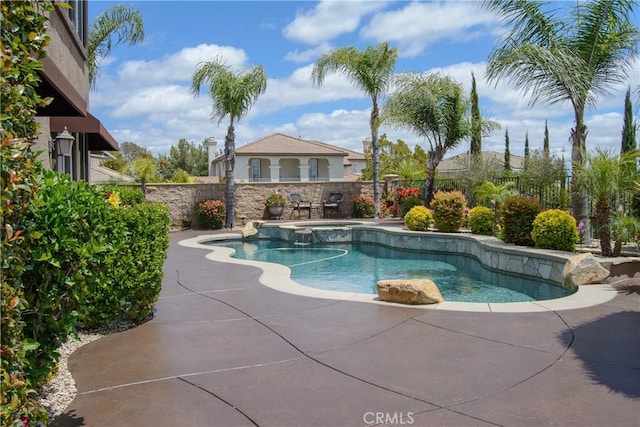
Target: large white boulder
583, 269
409, 291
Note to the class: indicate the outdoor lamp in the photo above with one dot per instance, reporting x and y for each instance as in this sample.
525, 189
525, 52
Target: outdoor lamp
64, 141
64, 149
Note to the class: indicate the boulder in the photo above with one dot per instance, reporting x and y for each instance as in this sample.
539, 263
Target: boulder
409, 291
250, 228
583, 269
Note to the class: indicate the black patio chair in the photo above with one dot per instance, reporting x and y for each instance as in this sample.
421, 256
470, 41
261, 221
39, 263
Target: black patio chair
331, 206
299, 204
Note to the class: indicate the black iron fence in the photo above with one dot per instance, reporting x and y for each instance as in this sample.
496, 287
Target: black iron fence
555, 195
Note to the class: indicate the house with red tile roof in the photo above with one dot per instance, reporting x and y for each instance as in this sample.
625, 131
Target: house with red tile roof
283, 158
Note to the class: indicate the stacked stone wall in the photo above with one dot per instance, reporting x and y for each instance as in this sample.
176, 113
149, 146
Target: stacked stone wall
181, 199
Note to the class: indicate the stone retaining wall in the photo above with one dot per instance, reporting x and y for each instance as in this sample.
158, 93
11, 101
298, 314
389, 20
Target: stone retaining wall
181, 199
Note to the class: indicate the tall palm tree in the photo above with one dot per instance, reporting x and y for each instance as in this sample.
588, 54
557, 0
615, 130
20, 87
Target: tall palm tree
434, 107
123, 22
606, 175
232, 95
371, 71
571, 58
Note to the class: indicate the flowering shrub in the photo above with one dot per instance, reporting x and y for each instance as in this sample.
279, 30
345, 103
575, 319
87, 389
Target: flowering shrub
275, 199
419, 218
386, 208
448, 210
555, 229
480, 220
114, 199
363, 207
211, 213
405, 199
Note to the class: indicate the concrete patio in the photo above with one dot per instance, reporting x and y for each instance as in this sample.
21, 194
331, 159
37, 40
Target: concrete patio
224, 350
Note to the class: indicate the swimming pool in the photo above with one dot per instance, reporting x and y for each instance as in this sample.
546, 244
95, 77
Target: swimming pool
357, 267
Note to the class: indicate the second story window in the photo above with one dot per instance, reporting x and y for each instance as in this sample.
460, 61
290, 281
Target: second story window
78, 16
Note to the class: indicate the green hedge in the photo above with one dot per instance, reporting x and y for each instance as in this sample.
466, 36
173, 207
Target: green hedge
516, 215
92, 263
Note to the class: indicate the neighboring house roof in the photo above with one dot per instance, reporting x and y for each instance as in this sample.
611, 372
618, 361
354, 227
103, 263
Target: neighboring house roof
102, 174
453, 164
280, 144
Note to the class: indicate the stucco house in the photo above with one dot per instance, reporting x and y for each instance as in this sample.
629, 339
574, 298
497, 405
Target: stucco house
65, 78
283, 158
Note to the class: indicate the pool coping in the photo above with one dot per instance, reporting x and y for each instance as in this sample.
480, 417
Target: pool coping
278, 277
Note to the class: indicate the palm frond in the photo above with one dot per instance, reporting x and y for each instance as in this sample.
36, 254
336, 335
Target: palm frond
527, 21
116, 25
549, 75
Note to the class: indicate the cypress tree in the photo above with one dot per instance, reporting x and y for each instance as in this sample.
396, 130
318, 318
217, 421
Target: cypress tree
526, 149
476, 121
507, 153
629, 142
546, 140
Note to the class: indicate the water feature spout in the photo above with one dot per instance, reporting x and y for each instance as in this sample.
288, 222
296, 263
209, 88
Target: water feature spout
303, 236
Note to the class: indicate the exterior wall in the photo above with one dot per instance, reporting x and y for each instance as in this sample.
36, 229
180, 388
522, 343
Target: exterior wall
287, 167
181, 199
42, 143
67, 51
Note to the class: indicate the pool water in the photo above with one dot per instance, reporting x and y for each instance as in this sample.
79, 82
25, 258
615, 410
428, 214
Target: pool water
356, 267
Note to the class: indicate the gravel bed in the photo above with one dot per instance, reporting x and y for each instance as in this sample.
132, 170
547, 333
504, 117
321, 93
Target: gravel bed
61, 390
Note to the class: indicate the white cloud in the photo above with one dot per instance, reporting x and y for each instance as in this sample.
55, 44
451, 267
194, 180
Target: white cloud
181, 65
420, 24
329, 19
308, 54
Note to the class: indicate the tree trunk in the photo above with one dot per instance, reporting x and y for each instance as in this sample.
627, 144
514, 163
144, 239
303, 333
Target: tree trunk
603, 214
374, 156
579, 200
435, 157
230, 162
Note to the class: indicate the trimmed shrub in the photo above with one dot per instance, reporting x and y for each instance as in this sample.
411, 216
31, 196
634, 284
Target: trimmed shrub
448, 210
516, 218
92, 262
211, 213
555, 229
148, 227
130, 283
480, 220
419, 218
363, 207
75, 238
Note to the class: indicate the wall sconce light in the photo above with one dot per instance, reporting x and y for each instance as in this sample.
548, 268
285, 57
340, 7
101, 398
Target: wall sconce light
62, 146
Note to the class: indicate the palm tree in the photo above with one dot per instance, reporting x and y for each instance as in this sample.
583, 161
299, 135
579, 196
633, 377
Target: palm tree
570, 58
434, 107
573, 58
122, 21
605, 175
371, 71
495, 194
232, 95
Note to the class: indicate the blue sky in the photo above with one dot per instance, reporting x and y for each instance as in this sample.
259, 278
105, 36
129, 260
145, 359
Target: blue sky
143, 93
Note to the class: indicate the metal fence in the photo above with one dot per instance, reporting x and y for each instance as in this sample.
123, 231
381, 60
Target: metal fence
556, 195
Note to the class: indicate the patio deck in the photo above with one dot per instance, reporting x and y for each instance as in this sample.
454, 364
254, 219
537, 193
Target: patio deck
224, 350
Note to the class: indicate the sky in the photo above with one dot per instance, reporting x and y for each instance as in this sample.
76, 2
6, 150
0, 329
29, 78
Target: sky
143, 94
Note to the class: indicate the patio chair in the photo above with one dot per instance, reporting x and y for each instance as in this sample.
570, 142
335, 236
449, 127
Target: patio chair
332, 205
299, 204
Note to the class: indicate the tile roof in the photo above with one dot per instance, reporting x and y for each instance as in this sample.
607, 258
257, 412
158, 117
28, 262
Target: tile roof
281, 144
451, 164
